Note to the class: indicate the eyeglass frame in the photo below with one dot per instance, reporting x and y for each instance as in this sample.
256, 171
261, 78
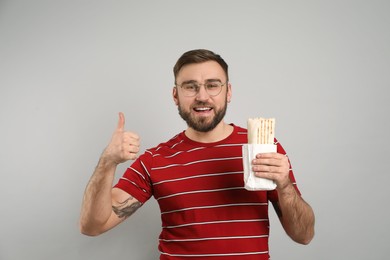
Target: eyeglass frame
200, 84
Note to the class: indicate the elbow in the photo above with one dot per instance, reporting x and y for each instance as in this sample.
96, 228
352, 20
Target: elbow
305, 239
88, 231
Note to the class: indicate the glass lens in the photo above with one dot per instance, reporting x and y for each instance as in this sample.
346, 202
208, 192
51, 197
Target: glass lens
213, 88
192, 88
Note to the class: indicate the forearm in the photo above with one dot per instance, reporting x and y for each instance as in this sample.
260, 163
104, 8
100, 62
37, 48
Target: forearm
97, 203
297, 217
98, 212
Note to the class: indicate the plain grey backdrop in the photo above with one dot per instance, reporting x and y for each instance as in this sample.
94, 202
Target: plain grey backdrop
321, 68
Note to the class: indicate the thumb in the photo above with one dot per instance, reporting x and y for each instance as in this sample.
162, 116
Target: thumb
121, 122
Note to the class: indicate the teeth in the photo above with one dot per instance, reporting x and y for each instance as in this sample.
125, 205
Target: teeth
202, 108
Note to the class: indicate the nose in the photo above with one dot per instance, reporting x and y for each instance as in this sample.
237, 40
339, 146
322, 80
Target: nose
202, 94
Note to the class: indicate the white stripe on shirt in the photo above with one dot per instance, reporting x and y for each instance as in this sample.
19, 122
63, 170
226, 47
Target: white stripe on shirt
200, 161
198, 176
199, 191
210, 238
216, 206
209, 255
218, 222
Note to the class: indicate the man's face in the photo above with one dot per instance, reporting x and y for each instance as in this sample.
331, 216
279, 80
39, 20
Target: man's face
202, 112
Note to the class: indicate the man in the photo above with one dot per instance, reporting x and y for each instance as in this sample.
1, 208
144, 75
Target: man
197, 177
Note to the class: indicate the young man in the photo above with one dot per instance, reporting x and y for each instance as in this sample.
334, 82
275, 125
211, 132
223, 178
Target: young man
197, 177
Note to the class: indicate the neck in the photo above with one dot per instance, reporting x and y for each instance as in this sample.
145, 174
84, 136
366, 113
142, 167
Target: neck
220, 132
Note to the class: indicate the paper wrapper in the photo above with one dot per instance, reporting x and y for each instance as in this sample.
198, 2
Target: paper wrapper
249, 152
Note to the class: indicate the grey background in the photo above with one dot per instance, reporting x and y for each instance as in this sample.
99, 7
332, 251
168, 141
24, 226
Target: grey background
321, 68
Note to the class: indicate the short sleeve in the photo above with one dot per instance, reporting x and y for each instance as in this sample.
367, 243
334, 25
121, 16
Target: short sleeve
136, 179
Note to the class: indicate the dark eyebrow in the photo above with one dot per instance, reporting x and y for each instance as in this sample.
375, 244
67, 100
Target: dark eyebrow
191, 81
213, 80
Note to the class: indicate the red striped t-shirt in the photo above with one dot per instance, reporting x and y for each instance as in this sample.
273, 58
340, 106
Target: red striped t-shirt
205, 210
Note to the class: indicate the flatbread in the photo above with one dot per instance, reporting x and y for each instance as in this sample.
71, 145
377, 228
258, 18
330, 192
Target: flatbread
261, 130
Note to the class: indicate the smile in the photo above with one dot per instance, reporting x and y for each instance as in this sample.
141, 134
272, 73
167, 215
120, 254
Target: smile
202, 109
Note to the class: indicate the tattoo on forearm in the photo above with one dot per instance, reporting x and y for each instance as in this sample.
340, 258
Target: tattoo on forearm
124, 209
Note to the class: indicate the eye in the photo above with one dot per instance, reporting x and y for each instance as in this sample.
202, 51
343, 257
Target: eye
213, 85
190, 87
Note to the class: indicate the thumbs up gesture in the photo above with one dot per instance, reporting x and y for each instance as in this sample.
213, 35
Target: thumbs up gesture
124, 145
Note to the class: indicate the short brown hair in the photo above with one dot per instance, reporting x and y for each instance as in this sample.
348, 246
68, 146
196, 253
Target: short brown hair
199, 56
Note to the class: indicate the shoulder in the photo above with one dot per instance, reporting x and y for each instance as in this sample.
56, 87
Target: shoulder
239, 130
166, 147
239, 134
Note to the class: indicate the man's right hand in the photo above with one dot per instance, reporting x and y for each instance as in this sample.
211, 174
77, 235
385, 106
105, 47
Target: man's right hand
124, 145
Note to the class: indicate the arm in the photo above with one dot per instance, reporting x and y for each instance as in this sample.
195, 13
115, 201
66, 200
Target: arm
296, 216
104, 207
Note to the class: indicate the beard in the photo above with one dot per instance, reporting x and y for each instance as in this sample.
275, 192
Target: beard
203, 124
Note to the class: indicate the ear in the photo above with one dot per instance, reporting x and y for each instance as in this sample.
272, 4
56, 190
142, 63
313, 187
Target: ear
229, 93
175, 96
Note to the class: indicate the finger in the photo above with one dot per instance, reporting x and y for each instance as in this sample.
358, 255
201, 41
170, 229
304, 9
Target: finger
267, 155
131, 138
133, 156
267, 169
266, 161
133, 149
271, 165
129, 149
121, 122
266, 175
276, 157
130, 152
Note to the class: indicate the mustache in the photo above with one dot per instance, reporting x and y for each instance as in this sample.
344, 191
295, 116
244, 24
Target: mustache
202, 104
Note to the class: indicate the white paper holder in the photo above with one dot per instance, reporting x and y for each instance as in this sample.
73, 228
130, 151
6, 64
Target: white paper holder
252, 182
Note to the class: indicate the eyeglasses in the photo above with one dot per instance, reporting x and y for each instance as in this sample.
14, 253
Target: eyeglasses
213, 88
